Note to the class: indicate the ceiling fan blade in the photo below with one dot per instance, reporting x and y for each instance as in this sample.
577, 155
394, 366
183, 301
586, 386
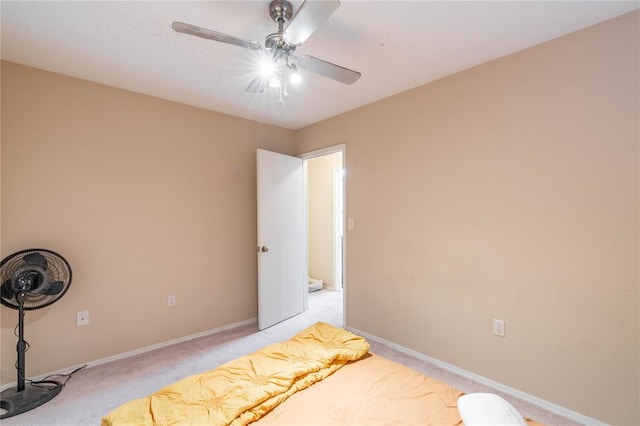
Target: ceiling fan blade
257, 85
308, 19
181, 27
36, 259
329, 70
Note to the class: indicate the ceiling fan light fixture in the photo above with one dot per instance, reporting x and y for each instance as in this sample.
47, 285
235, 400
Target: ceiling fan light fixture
295, 78
274, 81
267, 68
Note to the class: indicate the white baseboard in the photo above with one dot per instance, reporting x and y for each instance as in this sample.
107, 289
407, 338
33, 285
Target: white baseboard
136, 351
544, 404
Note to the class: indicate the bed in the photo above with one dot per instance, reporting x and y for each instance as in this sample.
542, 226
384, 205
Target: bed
322, 376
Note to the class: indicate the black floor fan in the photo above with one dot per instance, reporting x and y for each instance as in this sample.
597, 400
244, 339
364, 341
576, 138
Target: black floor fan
31, 279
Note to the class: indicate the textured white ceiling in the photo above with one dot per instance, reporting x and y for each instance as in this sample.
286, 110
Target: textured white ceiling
396, 45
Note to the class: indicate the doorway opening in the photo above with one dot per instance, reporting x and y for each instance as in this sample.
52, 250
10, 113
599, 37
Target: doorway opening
325, 201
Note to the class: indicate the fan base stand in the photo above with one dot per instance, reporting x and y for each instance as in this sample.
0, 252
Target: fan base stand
14, 402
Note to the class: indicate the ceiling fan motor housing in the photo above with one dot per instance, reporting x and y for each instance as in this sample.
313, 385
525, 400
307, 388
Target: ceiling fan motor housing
280, 11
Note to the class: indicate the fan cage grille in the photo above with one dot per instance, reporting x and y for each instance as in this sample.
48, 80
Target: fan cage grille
58, 269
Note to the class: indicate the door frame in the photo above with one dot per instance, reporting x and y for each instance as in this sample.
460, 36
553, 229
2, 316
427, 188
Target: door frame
338, 226
307, 156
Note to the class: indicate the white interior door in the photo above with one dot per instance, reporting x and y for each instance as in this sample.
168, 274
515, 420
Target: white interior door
282, 277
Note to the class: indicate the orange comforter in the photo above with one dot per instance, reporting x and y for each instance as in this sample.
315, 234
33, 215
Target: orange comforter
371, 391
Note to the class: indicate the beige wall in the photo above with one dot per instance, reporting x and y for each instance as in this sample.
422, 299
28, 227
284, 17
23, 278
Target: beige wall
507, 191
320, 216
139, 194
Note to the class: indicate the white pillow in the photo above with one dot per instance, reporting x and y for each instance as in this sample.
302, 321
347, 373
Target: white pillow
487, 409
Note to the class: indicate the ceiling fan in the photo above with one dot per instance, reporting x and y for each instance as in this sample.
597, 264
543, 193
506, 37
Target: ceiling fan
281, 65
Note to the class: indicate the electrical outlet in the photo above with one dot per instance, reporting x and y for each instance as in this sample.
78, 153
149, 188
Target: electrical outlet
82, 318
171, 300
498, 327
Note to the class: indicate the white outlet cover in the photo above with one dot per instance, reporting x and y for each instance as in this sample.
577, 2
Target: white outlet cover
82, 318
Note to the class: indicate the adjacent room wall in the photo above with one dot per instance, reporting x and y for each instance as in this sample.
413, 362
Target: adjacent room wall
144, 198
320, 217
507, 191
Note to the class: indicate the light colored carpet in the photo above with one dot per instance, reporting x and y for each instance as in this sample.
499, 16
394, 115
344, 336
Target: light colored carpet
93, 392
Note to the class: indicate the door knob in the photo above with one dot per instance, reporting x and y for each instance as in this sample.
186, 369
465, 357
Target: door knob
264, 249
